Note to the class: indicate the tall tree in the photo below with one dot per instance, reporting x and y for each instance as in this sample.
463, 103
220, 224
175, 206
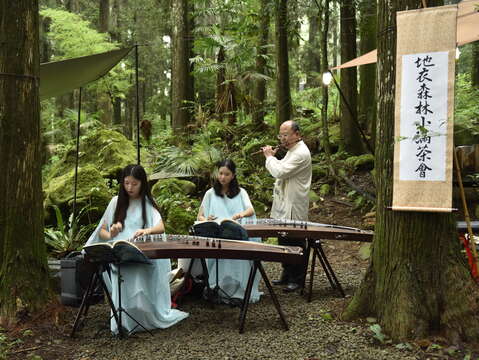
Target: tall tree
324, 88
475, 64
180, 74
23, 266
104, 101
349, 127
367, 73
313, 57
283, 92
115, 34
259, 91
417, 282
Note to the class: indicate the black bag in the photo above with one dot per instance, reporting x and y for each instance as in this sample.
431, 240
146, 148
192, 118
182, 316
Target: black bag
75, 275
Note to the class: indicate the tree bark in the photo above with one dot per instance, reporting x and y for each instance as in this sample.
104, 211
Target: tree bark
259, 91
475, 64
104, 102
324, 88
180, 74
23, 266
417, 282
313, 57
367, 73
283, 92
115, 34
348, 124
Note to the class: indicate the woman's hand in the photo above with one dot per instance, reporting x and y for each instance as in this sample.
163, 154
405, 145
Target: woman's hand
115, 229
238, 216
141, 232
211, 217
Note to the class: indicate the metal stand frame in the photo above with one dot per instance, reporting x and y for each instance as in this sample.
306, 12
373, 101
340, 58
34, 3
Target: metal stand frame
85, 304
117, 311
318, 252
244, 308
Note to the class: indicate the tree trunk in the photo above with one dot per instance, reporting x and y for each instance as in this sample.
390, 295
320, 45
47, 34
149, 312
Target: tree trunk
367, 73
23, 265
115, 33
103, 99
324, 88
475, 64
417, 282
259, 91
349, 130
283, 93
180, 74
313, 59
45, 47
72, 6
293, 30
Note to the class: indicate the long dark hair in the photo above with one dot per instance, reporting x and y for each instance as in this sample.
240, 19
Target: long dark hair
138, 172
233, 188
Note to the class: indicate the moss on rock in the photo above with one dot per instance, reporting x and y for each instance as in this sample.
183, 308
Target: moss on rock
91, 189
173, 185
361, 162
108, 150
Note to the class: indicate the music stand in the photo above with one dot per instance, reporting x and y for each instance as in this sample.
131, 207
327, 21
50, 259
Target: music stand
104, 261
96, 277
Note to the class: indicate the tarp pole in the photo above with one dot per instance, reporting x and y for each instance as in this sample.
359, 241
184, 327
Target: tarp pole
137, 107
77, 155
353, 116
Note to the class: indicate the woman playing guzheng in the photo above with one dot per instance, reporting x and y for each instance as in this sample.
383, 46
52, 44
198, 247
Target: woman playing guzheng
227, 200
145, 293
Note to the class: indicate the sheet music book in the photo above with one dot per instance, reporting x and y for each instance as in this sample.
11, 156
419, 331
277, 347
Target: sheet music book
118, 251
223, 229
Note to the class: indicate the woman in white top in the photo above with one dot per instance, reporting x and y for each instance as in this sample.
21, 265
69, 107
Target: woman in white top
227, 200
145, 293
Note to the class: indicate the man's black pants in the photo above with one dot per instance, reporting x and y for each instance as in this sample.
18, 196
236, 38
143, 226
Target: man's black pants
293, 273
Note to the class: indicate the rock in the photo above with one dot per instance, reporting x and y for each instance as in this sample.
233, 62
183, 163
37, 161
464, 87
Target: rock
313, 197
361, 162
108, 150
91, 190
173, 185
319, 171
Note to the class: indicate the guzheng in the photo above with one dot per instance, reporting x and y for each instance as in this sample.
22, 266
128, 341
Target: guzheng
189, 246
305, 229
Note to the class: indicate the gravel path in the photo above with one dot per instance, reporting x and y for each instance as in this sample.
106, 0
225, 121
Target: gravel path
212, 332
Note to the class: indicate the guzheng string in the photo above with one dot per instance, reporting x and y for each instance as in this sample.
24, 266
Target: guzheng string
191, 238
296, 223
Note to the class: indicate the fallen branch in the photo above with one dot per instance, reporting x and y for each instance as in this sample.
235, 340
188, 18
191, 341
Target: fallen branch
25, 350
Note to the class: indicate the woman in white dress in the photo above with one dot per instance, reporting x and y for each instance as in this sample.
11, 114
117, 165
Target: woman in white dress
227, 200
145, 291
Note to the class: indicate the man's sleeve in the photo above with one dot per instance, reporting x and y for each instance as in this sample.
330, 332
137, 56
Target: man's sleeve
286, 168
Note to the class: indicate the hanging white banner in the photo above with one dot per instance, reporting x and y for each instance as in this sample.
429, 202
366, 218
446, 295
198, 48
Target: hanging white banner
424, 117
426, 43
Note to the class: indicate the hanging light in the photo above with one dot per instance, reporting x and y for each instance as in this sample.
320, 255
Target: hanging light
327, 78
458, 53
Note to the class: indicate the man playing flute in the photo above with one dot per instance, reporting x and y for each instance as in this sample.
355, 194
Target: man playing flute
291, 193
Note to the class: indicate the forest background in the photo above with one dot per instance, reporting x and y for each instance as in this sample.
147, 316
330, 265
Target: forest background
216, 79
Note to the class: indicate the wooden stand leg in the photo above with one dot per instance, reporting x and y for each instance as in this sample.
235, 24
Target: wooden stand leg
273, 295
333, 280
311, 276
247, 296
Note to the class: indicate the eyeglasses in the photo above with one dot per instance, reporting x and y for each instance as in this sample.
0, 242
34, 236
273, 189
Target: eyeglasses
283, 136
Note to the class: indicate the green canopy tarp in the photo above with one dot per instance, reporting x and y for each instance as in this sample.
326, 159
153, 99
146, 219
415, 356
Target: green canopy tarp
60, 77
